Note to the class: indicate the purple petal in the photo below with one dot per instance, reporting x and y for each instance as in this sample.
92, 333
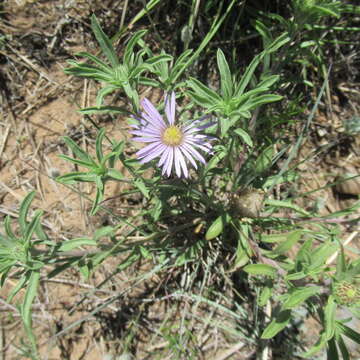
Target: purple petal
143, 139
153, 115
169, 161
146, 132
202, 147
164, 156
177, 162
170, 106
153, 153
194, 152
180, 156
188, 156
147, 149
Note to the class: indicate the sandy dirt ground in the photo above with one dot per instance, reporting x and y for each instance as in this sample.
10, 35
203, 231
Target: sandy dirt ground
39, 105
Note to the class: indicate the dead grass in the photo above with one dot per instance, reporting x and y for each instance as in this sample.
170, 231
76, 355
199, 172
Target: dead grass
40, 105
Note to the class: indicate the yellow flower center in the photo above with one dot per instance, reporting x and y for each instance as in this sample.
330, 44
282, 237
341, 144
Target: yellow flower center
172, 136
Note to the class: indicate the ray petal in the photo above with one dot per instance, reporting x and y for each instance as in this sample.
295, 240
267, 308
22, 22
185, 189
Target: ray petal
177, 161
194, 152
169, 161
147, 149
180, 156
188, 156
157, 151
164, 156
170, 108
153, 115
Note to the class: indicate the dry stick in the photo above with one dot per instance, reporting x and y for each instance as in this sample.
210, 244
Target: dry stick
32, 66
122, 20
11, 191
346, 242
266, 349
2, 341
226, 354
4, 139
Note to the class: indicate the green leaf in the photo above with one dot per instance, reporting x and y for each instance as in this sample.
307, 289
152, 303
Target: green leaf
268, 81
86, 164
180, 63
98, 144
292, 238
88, 71
159, 59
260, 269
30, 294
75, 243
329, 317
342, 347
106, 90
299, 295
255, 102
24, 209
278, 43
8, 230
265, 295
104, 109
245, 137
115, 174
225, 75
131, 44
104, 42
326, 11
348, 332
220, 153
210, 96
276, 325
78, 152
149, 82
286, 204
20, 285
264, 161
103, 232
139, 183
245, 79
99, 195
104, 67
71, 178
281, 237
332, 352
217, 226
321, 254
31, 227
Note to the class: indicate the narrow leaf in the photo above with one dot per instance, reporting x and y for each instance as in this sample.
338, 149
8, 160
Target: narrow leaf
217, 227
76, 149
98, 144
260, 269
29, 298
104, 42
276, 325
329, 316
299, 295
75, 243
24, 209
225, 75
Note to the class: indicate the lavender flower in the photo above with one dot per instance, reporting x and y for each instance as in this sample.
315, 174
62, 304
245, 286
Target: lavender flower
175, 144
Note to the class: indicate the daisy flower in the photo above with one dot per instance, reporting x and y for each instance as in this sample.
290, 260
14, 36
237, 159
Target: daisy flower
175, 145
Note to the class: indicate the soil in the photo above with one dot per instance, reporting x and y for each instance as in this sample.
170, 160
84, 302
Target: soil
39, 105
